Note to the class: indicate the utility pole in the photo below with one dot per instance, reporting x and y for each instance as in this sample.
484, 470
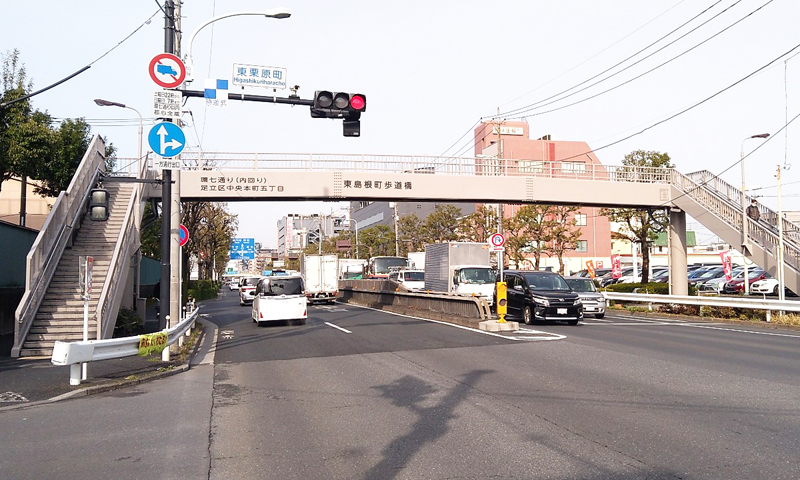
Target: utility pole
166, 192
176, 251
497, 123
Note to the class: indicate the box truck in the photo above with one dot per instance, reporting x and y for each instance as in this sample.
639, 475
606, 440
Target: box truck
321, 277
460, 268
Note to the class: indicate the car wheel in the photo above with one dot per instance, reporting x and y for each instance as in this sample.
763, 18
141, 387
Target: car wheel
572, 322
600, 315
775, 290
527, 316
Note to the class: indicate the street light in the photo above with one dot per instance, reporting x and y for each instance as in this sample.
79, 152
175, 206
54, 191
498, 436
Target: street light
744, 215
107, 103
278, 13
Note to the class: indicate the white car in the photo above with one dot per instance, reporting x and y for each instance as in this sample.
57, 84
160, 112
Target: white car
769, 286
280, 298
247, 290
411, 279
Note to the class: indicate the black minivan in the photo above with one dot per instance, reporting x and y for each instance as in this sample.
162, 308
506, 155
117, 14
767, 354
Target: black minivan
542, 296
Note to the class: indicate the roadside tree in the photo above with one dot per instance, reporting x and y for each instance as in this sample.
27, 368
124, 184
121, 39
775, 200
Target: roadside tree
640, 226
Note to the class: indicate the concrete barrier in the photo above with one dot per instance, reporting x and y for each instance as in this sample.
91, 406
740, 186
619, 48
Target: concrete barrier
390, 296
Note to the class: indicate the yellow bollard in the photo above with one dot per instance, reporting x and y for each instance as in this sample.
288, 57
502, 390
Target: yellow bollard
502, 301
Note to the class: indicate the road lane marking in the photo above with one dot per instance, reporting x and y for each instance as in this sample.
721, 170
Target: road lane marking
12, 397
639, 322
338, 327
551, 336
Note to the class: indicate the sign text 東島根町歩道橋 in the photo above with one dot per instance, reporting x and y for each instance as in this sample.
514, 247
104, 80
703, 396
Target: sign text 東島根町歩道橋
377, 184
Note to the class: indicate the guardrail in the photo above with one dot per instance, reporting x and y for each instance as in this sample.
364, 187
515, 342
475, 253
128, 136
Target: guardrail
76, 353
733, 302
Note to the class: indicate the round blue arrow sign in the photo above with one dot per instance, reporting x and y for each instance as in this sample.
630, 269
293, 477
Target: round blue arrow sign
166, 139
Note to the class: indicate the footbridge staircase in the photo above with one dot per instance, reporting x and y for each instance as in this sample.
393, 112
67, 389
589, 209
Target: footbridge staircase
52, 307
718, 206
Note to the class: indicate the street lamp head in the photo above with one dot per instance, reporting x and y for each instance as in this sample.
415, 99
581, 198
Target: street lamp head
761, 135
107, 103
278, 13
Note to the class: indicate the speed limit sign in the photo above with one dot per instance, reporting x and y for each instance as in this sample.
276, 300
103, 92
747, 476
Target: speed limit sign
496, 241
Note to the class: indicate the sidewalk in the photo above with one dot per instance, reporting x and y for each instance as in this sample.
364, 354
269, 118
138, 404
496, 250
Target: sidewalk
24, 381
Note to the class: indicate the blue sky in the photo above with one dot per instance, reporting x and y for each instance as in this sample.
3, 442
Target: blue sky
431, 70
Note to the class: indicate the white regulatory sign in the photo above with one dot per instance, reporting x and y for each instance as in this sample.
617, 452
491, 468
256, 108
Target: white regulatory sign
167, 164
167, 104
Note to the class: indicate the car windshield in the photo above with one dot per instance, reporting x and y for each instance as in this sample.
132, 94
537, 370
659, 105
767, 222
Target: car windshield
414, 276
581, 284
285, 286
383, 264
476, 275
547, 282
251, 281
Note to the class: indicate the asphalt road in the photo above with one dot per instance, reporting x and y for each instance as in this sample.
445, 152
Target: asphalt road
360, 394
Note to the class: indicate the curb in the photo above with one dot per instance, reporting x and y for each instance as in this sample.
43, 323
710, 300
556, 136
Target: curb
117, 384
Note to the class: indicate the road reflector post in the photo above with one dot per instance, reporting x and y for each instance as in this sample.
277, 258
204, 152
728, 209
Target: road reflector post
502, 301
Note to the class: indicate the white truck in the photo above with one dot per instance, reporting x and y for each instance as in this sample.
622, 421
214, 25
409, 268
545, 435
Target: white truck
321, 277
351, 268
460, 268
417, 260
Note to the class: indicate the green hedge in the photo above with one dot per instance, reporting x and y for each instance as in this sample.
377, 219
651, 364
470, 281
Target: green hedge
655, 288
203, 289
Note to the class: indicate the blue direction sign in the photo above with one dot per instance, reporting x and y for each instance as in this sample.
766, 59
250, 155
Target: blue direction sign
243, 249
166, 139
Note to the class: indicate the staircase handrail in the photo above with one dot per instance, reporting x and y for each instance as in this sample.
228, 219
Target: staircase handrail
45, 253
707, 179
109, 300
730, 214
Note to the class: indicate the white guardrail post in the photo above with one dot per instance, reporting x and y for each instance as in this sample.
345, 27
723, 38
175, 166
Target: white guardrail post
75, 353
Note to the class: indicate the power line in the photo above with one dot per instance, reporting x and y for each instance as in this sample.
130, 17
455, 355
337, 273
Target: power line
529, 107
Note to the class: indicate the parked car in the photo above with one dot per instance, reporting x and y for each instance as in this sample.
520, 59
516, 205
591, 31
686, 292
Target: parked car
247, 290
541, 296
707, 274
716, 285
593, 301
411, 279
280, 298
736, 285
631, 279
608, 279
769, 286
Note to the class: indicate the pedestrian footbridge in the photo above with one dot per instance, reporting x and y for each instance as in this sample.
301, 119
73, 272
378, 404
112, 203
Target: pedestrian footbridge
51, 308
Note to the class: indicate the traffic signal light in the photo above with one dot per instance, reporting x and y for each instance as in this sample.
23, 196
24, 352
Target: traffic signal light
98, 205
502, 301
347, 106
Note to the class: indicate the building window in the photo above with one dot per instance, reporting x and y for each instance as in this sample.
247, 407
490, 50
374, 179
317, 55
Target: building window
527, 166
573, 167
582, 246
580, 219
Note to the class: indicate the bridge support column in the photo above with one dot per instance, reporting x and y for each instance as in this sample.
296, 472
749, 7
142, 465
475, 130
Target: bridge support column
679, 284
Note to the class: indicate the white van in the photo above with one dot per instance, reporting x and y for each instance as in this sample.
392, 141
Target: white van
411, 279
280, 298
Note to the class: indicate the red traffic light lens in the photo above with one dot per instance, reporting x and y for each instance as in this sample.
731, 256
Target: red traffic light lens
358, 102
